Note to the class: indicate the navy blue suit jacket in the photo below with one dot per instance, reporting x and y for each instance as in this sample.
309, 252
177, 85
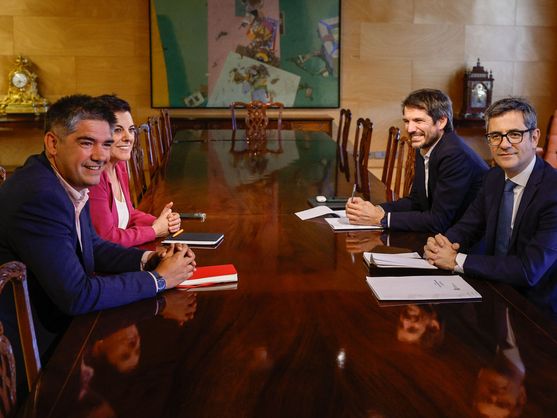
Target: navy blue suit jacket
37, 227
532, 257
455, 176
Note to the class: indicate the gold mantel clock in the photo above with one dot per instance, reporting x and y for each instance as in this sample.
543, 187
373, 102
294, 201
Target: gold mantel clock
23, 95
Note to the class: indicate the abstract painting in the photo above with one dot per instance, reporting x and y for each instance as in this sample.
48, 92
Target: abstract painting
209, 53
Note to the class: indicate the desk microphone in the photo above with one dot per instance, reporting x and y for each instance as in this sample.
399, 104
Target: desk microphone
143, 128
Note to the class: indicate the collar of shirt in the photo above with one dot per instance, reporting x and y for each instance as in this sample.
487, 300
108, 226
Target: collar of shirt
426, 166
78, 198
522, 178
430, 150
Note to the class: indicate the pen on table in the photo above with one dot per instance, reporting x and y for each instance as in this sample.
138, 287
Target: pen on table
175, 234
353, 193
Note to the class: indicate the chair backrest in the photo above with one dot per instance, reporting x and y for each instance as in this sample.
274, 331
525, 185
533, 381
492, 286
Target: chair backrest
166, 128
149, 149
157, 137
405, 167
343, 132
362, 143
399, 160
550, 147
136, 170
256, 119
2, 174
390, 155
15, 272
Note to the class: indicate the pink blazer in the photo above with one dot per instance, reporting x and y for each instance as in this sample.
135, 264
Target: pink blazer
105, 216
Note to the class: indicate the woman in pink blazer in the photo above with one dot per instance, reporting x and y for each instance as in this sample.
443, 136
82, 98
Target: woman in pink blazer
113, 215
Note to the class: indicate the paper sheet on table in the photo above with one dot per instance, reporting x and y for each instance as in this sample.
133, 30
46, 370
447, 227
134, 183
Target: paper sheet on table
343, 224
421, 288
401, 260
318, 211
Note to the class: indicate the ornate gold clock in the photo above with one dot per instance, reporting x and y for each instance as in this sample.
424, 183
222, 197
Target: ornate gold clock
23, 95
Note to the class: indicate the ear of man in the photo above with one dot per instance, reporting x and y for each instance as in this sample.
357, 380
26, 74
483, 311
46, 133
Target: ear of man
442, 122
535, 137
51, 142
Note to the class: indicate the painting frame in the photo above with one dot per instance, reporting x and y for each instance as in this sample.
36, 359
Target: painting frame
206, 54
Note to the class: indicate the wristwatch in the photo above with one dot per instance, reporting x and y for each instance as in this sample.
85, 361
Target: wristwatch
161, 283
384, 221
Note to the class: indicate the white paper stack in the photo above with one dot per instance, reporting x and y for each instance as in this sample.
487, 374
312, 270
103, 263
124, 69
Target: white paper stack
421, 288
319, 211
401, 260
343, 224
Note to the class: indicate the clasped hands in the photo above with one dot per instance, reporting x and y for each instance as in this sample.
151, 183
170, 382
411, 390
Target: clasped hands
175, 262
362, 212
440, 252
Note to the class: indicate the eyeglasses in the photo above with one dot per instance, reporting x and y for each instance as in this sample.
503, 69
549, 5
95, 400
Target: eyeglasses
514, 136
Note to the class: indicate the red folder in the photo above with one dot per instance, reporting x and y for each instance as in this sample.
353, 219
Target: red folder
207, 275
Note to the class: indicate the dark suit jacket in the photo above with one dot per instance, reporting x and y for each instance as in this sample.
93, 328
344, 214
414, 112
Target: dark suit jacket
455, 176
532, 256
37, 227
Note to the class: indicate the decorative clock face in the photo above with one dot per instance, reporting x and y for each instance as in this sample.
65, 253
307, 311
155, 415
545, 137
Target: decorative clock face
479, 96
20, 79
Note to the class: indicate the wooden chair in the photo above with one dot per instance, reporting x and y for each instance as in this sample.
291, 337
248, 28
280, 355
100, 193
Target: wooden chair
149, 150
550, 146
157, 138
256, 120
15, 272
343, 131
155, 148
136, 170
362, 140
362, 143
399, 160
390, 155
3, 174
166, 128
405, 167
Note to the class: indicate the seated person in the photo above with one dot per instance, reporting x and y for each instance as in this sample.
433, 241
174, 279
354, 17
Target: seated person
515, 212
45, 223
448, 172
113, 215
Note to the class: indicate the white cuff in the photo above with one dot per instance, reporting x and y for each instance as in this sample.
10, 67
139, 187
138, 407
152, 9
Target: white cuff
144, 259
460, 259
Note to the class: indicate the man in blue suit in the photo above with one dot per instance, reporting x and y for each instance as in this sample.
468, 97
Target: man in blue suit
448, 173
515, 211
45, 223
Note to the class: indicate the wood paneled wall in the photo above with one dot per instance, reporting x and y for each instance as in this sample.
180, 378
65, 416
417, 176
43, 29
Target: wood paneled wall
389, 47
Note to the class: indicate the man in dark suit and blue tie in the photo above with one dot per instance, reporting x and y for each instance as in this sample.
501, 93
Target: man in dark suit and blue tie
448, 173
515, 211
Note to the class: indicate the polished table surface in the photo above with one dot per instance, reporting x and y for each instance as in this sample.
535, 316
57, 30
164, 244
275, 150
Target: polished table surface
302, 334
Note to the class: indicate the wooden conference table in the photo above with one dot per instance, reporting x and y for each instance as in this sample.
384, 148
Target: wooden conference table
302, 335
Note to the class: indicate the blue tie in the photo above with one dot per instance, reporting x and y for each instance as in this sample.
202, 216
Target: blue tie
503, 233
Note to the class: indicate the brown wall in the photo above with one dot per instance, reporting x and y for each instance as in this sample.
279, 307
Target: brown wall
389, 47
